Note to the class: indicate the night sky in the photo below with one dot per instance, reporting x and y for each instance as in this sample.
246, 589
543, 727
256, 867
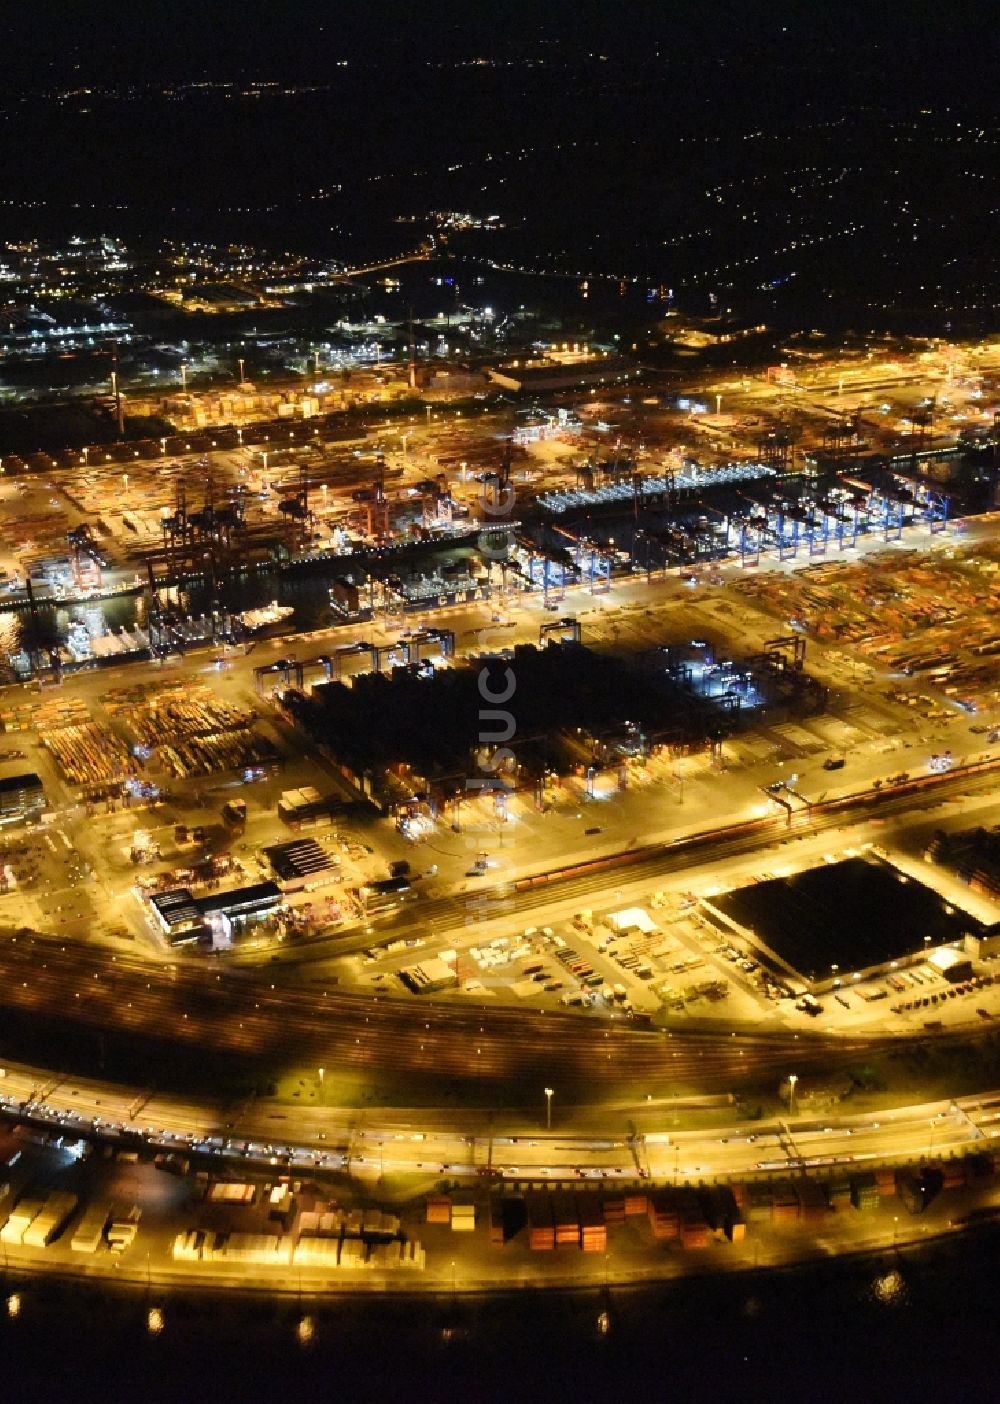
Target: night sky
808, 161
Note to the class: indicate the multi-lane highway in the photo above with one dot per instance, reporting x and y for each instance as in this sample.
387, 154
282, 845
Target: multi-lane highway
377, 1042
610, 1142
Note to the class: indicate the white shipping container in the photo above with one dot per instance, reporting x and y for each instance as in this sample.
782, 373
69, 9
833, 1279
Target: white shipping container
86, 1241
45, 1226
317, 1252
90, 1230
352, 1253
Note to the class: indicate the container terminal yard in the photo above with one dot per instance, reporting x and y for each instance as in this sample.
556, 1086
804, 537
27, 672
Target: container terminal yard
698, 970
170, 1208
499, 703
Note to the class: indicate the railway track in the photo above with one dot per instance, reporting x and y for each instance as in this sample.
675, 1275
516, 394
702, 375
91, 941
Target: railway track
650, 863
374, 1038
246, 1017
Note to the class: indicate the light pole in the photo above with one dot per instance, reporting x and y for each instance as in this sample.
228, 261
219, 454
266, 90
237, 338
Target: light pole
792, 1080
184, 377
549, 1094
242, 380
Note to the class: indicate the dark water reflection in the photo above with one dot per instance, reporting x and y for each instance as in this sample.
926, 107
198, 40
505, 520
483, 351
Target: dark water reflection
307, 595
915, 1327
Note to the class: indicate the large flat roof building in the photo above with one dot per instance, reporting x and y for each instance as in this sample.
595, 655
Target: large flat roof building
858, 917
184, 917
544, 374
20, 795
429, 976
254, 900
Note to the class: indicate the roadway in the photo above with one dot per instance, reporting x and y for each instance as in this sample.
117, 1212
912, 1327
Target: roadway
650, 864
372, 1041
602, 1143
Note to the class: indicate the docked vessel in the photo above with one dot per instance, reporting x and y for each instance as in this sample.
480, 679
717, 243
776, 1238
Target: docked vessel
274, 613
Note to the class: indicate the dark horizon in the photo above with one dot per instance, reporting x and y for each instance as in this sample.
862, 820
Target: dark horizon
796, 161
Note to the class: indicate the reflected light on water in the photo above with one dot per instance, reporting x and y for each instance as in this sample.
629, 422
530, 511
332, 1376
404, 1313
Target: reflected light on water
889, 1289
10, 635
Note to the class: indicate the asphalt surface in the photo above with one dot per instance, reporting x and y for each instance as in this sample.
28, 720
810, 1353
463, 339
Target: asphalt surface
611, 1142
650, 863
492, 1053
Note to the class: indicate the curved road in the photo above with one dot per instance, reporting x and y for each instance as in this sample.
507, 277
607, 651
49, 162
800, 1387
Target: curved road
497, 1053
